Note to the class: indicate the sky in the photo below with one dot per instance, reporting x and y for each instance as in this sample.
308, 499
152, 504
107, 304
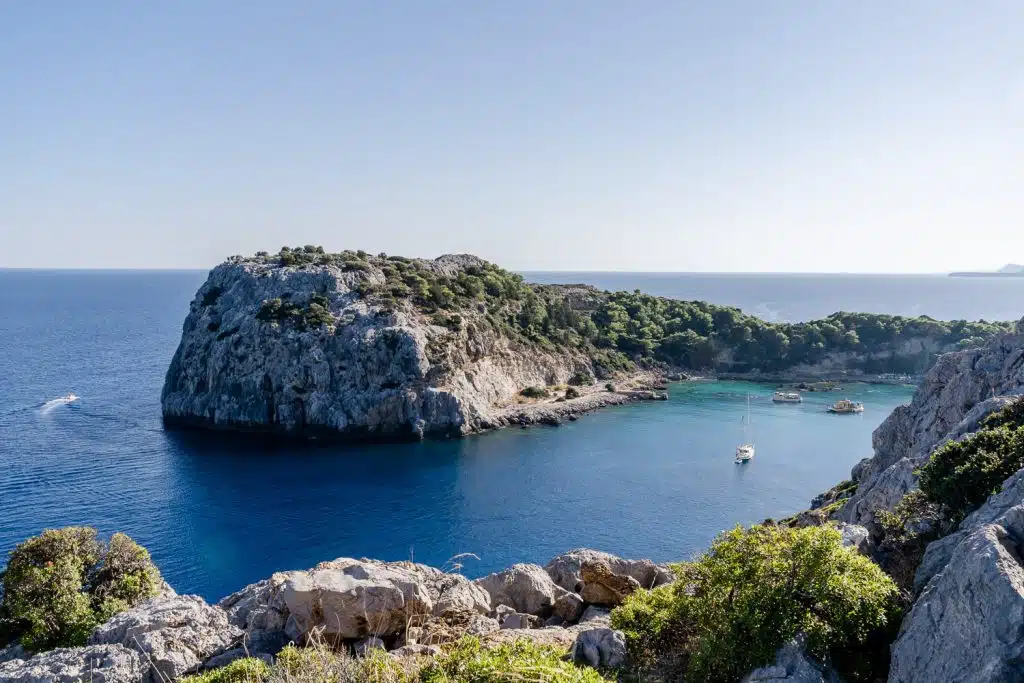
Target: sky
792, 136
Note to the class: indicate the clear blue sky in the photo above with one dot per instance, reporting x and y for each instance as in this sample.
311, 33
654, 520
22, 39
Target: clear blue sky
798, 135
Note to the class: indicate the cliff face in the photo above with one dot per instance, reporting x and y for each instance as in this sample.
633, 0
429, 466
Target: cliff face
300, 349
956, 394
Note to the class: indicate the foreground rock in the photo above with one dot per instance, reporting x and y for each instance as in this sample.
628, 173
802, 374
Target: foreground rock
175, 634
567, 570
960, 390
523, 587
600, 647
93, 664
349, 599
966, 623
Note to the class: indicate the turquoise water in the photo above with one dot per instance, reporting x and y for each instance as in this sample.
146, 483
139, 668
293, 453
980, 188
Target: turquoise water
654, 479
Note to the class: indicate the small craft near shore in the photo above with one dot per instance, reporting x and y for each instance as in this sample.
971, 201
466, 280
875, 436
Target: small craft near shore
787, 397
845, 406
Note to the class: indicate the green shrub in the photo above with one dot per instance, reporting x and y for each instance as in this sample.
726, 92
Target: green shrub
246, 670
581, 379
609, 387
961, 475
534, 392
753, 590
469, 662
58, 586
906, 530
572, 392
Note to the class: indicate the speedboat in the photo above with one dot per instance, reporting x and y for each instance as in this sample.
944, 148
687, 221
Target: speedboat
846, 407
787, 397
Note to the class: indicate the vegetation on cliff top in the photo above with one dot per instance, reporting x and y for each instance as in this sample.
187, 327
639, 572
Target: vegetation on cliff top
619, 330
755, 589
58, 586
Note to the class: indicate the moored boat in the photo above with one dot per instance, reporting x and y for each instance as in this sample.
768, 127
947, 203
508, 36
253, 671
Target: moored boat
846, 406
787, 397
745, 451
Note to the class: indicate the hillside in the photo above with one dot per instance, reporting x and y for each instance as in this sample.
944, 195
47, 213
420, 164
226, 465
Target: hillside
304, 341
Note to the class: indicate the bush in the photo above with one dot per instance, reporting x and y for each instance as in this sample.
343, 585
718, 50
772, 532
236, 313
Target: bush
469, 662
581, 379
609, 387
246, 670
58, 586
572, 392
534, 392
753, 590
466, 661
961, 475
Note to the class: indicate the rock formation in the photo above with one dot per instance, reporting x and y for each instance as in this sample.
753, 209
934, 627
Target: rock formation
955, 395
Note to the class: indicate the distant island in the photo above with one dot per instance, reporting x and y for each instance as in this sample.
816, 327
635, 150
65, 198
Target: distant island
1009, 270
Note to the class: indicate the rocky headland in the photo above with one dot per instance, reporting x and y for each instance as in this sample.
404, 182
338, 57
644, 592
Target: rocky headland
359, 346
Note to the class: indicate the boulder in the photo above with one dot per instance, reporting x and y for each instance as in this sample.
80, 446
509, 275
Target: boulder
447, 628
521, 621
594, 615
349, 599
792, 665
601, 586
95, 664
524, 587
966, 623
175, 634
569, 608
600, 647
566, 569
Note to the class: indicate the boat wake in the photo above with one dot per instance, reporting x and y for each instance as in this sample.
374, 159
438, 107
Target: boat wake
54, 403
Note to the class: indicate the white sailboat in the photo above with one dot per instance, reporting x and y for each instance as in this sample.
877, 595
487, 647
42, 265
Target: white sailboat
745, 451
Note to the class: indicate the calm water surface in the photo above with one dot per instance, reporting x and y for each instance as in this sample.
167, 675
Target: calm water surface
653, 480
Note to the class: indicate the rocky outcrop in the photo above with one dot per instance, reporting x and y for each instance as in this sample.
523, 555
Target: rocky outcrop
965, 624
350, 599
175, 634
600, 647
523, 587
94, 664
602, 586
955, 395
307, 350
567, 570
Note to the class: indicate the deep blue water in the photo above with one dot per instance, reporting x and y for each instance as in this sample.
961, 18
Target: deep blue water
654, 480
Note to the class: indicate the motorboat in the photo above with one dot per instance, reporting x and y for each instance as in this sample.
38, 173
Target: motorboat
787, 397
845, 406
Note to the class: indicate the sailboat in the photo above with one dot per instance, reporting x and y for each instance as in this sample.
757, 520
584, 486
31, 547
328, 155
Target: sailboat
745, 451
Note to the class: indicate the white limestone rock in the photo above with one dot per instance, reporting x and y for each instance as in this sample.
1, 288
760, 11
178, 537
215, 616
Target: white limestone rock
524, 587
600, 647
93, 664
175, 634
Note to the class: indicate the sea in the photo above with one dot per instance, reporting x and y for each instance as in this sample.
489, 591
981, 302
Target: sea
650, 480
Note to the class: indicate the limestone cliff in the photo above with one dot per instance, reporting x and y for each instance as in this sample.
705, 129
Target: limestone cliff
319, 348
954, 396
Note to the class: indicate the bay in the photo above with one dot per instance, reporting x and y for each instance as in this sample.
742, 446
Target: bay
654, 480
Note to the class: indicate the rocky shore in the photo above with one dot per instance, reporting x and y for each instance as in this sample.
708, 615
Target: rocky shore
405, 608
